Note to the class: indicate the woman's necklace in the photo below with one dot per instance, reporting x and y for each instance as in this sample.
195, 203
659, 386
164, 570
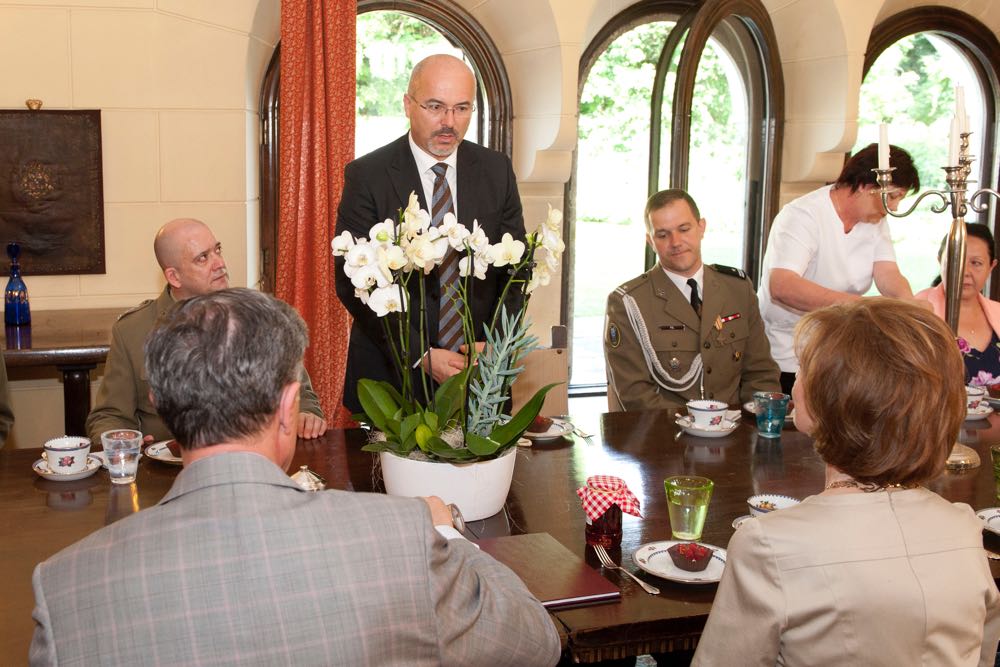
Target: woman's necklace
867, 488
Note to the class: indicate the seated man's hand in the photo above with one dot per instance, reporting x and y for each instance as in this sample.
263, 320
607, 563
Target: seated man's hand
480, 346
442, 364
440, 514
311, 426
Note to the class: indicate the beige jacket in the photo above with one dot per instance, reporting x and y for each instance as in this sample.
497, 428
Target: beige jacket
895, 578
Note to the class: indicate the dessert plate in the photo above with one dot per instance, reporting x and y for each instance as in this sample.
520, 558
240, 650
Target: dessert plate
990, 518
653, 558
981, 412
158, 451
725, 428
41, 468
558, 429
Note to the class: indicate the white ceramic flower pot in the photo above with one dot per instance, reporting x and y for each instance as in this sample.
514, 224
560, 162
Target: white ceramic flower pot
478, 489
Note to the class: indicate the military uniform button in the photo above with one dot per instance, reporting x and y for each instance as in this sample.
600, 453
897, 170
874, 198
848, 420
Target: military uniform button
732, 334
673, 344
708, 345
708, 370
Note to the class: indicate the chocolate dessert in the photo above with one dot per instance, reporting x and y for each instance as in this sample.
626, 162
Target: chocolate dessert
690, 557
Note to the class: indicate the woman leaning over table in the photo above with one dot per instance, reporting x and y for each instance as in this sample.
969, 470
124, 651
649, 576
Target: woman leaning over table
979, 317
875, 569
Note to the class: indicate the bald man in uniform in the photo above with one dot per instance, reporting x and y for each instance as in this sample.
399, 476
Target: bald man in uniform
684, 330
191, 259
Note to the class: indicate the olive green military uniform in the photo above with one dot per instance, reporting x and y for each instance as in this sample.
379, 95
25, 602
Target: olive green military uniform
724, 353
123, 397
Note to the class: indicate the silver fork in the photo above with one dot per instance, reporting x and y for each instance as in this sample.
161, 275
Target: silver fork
606, 561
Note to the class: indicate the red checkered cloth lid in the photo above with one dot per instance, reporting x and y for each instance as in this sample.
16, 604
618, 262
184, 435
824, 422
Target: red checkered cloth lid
603, 491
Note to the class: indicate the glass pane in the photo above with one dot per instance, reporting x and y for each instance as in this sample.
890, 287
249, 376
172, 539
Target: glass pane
389, 45
717, 167
912, 87
611, 190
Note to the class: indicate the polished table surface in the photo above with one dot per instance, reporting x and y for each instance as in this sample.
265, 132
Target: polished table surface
37, 518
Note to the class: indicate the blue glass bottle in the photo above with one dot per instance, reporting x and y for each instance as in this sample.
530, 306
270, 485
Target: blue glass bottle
16, 310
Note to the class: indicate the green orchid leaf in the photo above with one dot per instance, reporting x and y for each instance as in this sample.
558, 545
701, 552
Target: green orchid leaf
441, 449
481, 446
407, 428
519, 423
424, 435
448, 397
376, 401
431, 419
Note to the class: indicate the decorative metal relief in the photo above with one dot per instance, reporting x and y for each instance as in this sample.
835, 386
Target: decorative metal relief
52, 190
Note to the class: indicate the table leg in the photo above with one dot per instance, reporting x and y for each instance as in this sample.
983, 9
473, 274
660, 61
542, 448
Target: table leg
76, 397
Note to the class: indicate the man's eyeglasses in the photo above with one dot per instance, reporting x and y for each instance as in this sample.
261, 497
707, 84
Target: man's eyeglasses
437, 110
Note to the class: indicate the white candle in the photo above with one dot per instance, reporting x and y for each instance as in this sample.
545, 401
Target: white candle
953, 143
963, 122
883, 146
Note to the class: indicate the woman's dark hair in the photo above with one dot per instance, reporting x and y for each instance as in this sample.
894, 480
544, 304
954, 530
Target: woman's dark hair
975, 230
857, 171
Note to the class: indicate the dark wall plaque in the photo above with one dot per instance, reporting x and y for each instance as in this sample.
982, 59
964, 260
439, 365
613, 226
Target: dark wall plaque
52, 190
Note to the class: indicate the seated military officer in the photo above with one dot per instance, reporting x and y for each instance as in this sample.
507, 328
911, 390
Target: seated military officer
192, 263
683, 330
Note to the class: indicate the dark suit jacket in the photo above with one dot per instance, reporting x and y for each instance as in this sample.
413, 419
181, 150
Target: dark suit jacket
377, 186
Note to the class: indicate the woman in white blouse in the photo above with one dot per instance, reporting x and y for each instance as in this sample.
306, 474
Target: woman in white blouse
875, 569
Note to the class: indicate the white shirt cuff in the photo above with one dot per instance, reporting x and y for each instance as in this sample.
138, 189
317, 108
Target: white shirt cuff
450, 533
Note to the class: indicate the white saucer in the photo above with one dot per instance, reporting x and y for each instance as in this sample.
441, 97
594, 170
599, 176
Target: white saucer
558, 429
738, 521
722, 430
982, 412
991, 519
41, 468
158, 451
653, 558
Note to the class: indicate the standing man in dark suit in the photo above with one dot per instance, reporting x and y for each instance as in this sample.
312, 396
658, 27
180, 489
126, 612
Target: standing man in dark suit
439, 102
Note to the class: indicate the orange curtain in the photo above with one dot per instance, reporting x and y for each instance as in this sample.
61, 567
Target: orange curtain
317, 139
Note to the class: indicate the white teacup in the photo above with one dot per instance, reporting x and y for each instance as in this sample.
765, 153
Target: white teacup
974, 396
67, 454
707, 414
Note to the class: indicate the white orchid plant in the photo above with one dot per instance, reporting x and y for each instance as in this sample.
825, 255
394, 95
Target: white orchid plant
464, 419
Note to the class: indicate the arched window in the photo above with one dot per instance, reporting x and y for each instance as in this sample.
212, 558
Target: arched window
672, 94
915, 60
392, 36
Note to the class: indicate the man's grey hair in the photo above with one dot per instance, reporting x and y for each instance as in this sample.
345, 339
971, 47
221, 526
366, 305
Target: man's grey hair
217, 364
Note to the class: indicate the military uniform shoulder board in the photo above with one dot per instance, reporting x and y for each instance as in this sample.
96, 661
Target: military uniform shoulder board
730, 271
135, 309
627, 287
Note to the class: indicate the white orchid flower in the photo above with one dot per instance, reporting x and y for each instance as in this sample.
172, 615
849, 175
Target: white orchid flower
392, 258
539, 277
361, 254
342, 243
415, 219
478, 240
551, 240
479, 265
384, 233
456, 233
508, 251
385, 300
425, 252
554, 220
361, 294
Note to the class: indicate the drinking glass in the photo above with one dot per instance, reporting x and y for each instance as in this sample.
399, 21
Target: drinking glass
995, 455
770, 408
122, 448
687, 502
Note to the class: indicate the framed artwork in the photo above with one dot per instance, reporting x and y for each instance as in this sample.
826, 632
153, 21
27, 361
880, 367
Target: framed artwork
52, 190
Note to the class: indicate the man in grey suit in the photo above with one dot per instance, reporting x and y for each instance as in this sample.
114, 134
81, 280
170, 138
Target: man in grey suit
238, 565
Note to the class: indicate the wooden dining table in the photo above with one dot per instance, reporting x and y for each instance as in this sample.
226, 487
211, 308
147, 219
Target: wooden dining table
38, 517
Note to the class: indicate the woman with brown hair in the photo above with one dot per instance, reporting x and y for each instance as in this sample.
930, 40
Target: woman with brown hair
875, 569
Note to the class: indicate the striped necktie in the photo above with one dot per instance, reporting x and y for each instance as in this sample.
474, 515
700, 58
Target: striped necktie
449, 315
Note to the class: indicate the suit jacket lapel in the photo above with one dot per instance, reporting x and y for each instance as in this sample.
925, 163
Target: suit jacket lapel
674, 302
403, 175
466, 199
